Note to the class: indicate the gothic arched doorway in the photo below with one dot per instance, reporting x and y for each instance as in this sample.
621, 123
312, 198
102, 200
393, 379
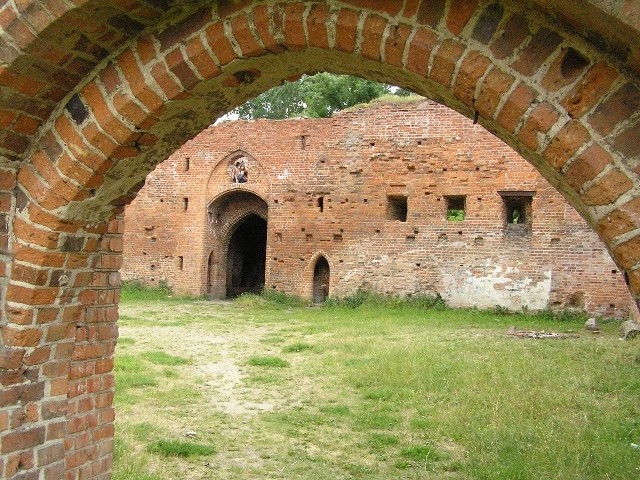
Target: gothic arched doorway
246, 256
321, 274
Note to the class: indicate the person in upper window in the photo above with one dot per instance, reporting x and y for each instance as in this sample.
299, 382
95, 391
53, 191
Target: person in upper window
239, 172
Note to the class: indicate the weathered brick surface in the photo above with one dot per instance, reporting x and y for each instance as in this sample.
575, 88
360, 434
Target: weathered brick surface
77, 170
354, 161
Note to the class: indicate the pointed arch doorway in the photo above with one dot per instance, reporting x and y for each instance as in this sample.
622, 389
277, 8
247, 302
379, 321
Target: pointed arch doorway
237, 260
246, 257
321, 278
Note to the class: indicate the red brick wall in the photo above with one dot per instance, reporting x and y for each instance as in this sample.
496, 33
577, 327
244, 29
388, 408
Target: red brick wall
93, 94
355, 161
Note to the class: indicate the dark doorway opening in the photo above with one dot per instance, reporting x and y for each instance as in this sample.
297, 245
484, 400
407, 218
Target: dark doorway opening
246, 257
321, 276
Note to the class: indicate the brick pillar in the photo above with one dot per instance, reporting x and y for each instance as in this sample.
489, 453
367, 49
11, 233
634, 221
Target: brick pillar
36, 343
90, 415
10, 358
58, 339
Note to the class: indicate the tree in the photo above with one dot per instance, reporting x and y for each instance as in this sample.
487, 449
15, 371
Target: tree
285, 101
314, 96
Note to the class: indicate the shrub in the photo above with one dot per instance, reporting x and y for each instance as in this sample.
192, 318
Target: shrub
564, 315
501, 310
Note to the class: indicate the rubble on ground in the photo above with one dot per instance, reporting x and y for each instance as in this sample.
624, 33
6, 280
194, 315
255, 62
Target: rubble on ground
515, 332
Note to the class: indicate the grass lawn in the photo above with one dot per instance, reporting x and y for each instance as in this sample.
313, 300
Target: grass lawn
267, 389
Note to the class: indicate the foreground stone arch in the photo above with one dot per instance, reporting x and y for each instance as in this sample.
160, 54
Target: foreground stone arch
94, 96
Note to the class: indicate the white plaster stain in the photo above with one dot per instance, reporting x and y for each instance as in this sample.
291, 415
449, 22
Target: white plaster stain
285, 174
501, 285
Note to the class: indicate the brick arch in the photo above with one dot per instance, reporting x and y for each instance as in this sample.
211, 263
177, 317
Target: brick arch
260, 208
566, 104
235, 221
234, 189
230, 157
223, 234
551, 96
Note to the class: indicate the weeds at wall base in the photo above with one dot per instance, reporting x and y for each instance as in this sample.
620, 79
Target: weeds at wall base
365, 298
135, 290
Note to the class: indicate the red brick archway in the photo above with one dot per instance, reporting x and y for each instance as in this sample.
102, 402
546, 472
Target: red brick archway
226, 213
95, 95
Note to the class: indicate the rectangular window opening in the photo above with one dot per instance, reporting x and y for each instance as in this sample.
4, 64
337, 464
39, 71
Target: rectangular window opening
456, 208
180, 262
185, 203
187, 163
518, 212
397, 208
321, 204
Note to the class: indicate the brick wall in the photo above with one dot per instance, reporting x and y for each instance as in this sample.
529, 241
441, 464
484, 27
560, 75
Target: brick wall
93, 94
333, 187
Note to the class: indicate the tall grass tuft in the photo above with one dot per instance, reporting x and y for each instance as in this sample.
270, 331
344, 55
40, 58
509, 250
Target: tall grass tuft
273, 299
267, 361
135, 291
158, 357
372, 299
175, 448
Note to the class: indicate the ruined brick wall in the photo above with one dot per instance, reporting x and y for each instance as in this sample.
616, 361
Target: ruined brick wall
95, 93
337, 187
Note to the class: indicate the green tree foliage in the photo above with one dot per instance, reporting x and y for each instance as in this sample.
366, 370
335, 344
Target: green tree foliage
285, 101
314, 96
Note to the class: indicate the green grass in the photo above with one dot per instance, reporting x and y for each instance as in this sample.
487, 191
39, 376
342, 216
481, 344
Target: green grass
392, 389
335, 409
135, 291
175, 448
379, 441
270, 299
267, 361
132, 373
297, 347
136, 372
130, 467
170, 373
158, 357
142, 431
420, 453
262, 379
